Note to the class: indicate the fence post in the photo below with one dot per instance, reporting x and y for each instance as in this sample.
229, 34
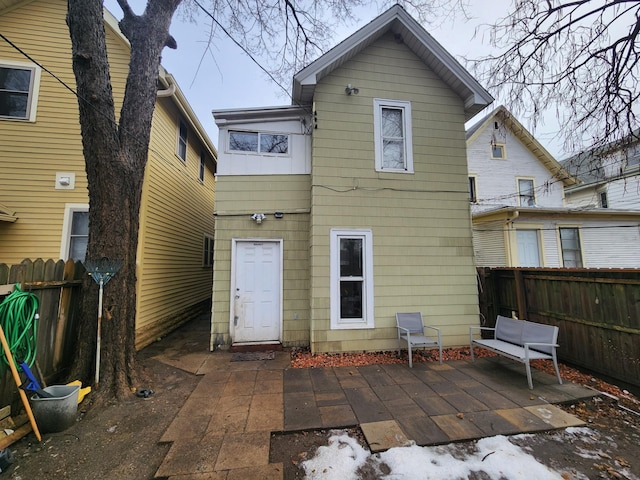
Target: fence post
521, 295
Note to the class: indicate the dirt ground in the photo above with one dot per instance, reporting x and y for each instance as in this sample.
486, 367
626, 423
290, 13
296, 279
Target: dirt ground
120, 441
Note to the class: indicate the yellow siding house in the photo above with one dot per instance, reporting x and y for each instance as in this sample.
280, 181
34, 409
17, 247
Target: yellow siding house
43, 191
350, 205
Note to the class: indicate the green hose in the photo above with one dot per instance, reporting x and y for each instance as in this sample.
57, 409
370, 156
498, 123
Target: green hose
19, 320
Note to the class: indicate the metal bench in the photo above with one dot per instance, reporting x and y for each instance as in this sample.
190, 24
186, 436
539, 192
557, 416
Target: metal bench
521, 341
411, 329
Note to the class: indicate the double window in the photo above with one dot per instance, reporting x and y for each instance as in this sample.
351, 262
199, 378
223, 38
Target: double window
392, 136
351, 253
570, 246
526, 192
19, 83
258, 142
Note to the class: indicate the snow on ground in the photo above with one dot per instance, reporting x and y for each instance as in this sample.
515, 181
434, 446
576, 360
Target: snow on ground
496, 456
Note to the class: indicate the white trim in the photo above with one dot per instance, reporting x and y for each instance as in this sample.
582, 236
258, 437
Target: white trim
368, 320
573, 226
179, 139
533, 190
65, 242
232, 289
378, 105
34, 88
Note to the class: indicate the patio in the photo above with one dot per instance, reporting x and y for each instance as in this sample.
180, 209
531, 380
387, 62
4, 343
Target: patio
224, 427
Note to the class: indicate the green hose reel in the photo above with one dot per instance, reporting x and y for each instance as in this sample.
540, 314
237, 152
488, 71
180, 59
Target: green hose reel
19, 320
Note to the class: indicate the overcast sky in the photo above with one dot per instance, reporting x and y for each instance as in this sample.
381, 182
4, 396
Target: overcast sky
224, 77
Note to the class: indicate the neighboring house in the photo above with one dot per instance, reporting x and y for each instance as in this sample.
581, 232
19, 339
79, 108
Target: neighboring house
43, 198
519, 214
609, 176
351, 205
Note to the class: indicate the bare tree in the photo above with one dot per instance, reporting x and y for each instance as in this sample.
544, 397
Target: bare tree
288, 34
578, 59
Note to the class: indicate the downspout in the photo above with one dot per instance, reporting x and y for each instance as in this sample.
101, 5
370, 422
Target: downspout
508, 228
167, 92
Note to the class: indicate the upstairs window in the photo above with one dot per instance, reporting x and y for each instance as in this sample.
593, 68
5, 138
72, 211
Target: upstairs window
498, 151
207, 259
526, 194
473, 196
603, 200
182, 141
392, 136
258, 142
202, 166
18, 91
570, 246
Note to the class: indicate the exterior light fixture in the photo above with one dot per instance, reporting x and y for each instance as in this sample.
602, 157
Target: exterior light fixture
258, 217
278, 214
350, 90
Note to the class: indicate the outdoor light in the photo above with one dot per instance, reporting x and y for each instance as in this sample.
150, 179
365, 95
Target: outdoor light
351, 90
258, 217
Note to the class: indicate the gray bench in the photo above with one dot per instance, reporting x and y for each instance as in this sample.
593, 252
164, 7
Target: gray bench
521, 341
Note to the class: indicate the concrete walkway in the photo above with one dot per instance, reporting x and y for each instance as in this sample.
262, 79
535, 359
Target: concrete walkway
223, 430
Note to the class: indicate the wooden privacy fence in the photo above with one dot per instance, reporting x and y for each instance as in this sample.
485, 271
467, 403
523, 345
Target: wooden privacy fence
597, 312
58, 287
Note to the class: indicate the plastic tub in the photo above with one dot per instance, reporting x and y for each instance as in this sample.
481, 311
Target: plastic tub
57, 413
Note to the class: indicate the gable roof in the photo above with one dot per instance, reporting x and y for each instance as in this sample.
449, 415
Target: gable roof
416, 38
505, 117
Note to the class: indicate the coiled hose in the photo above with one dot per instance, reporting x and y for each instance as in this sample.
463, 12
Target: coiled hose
19, 320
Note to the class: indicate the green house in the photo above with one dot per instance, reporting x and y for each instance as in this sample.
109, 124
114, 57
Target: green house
352, 204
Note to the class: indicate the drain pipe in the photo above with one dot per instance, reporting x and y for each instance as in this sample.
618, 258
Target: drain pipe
508, 228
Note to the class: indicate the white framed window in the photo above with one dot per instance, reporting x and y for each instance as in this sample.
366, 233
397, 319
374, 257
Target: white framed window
526, 192
393, 139
207, 259
75, 232
258, 142
603, 200
473, 190
351, 277
498, 151
570, 247
182, 141
203, 159
19, 87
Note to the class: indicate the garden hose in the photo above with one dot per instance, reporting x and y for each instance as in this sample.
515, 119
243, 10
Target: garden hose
19, 320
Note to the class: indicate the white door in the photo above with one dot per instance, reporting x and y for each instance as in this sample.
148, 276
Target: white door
256, 310
528, 248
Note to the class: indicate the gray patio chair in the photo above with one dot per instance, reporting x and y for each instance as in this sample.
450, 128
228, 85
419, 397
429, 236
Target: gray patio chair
411, 329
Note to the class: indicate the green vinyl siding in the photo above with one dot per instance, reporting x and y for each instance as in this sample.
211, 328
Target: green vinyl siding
422, 247
237, 198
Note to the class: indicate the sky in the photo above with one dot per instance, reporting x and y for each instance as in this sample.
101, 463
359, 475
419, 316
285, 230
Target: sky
221, 76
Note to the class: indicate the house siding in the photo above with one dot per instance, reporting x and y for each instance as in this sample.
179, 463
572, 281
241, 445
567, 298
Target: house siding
496, 181
176, 211
238, 198
422, 248
176, 214
32, 152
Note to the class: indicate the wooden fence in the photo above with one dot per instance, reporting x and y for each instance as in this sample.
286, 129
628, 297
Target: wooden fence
58, 287
597, 312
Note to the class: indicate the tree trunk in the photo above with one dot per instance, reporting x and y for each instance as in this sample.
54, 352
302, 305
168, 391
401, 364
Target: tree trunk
115, 159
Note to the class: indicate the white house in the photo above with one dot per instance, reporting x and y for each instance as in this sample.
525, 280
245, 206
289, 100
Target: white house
519, 212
